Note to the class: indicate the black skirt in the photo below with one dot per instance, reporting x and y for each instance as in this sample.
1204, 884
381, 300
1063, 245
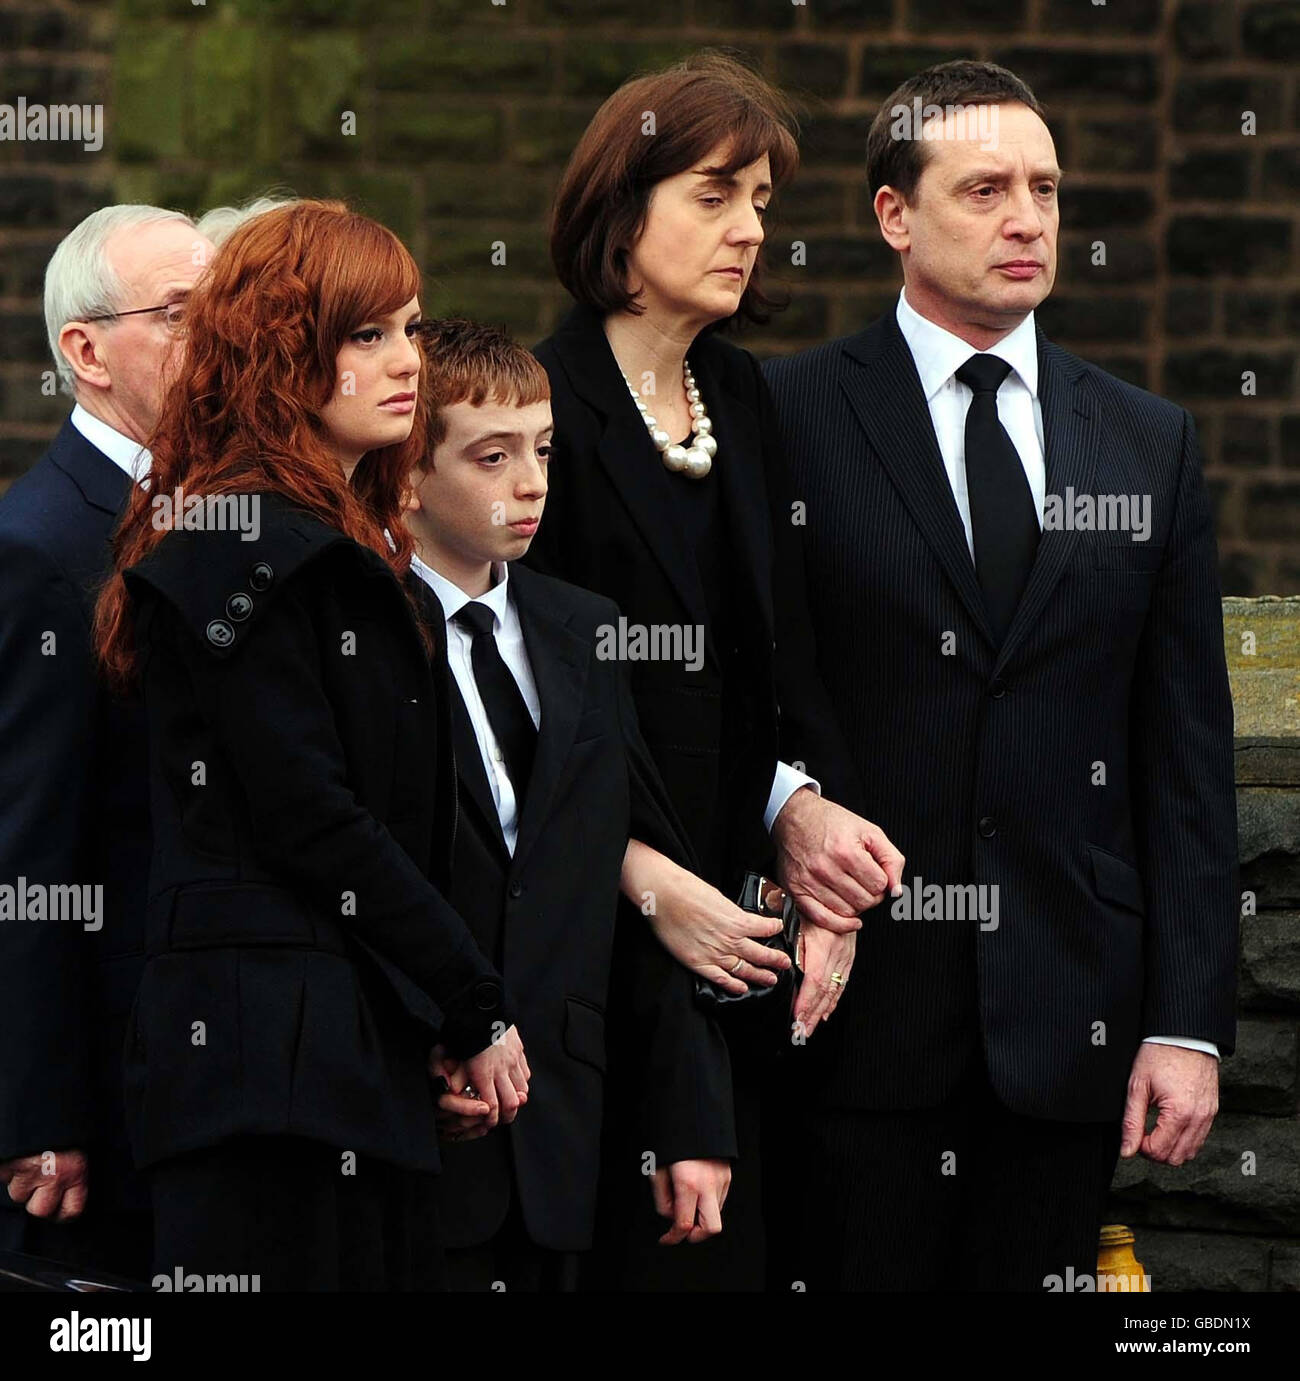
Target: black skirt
283, 1211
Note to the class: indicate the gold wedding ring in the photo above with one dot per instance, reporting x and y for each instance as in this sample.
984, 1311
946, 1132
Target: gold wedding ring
739, 962
837, 979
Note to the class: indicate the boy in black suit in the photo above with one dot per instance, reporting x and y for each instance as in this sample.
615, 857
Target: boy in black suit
553, 783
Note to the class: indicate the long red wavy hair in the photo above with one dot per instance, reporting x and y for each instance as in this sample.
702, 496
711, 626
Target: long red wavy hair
264, 327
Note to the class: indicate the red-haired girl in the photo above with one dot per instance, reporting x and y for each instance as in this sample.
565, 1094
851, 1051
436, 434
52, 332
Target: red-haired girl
301, 962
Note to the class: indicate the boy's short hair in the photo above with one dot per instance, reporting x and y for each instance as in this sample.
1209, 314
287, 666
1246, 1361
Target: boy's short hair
467, 362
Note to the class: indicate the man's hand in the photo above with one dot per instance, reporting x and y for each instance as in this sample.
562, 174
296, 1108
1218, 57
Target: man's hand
698, 926
1184, 1086
834, 863
691, 1193
60, 1196
462, 1114
822, 953
499, 1074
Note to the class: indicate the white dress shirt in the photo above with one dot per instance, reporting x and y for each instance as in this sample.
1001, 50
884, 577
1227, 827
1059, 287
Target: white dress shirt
786, 780
510, 642
126, 454
938, 354
509, 635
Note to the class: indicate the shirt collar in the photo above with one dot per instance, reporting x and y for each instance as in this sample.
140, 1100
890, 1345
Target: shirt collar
126, 454
453, 599
939, 354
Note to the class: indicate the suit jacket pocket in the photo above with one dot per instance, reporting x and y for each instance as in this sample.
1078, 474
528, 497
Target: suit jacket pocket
1127, 556
591, 725
584, 1032
1116, 880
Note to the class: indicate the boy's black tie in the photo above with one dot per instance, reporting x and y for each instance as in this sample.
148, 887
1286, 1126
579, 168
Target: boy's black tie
507, 711
1004, 525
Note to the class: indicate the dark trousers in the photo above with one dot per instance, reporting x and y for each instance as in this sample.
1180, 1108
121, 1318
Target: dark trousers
511, 1261
281, 1209
966, 1196
118, 1243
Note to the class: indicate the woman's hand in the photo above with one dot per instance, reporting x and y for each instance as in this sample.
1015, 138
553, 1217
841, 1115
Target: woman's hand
825, 958
488, 1088
462, 1114
698, 926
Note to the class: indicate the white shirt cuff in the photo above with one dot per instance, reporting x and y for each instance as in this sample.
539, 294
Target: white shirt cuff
786, 780
1187, 1043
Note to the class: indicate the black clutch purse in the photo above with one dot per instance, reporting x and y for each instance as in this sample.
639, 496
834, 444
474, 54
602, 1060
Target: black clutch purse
768, 1007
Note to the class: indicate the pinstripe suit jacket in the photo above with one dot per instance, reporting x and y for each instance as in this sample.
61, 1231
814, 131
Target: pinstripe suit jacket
1083, 769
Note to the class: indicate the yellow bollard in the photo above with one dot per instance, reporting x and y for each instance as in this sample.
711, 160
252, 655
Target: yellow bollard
1118, 1269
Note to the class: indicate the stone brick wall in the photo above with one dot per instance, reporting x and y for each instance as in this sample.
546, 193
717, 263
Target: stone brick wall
1230, 1220
466, 109
51, 53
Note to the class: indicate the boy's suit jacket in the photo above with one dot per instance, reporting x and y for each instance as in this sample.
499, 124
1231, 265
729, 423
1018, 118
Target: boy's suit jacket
551, 916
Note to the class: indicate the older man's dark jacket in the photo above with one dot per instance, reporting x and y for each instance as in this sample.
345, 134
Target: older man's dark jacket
74, 811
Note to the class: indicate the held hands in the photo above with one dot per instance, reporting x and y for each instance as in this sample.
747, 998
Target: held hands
834, 863
691, 1193
1184, 1086
60, 1196
698, 926
822, 953
487, 1089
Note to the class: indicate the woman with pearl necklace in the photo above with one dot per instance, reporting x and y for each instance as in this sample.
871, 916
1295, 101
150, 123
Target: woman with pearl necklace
668, 493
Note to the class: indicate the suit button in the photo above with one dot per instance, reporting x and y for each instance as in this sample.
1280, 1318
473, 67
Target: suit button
516, 889
220, 633
997, 688
988, 827
487, 995
239, 606
261, 576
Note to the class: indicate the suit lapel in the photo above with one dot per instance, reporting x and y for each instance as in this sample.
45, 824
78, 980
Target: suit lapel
626, 453
1070, 456
885, 393
739, 470
102, 483
559, 658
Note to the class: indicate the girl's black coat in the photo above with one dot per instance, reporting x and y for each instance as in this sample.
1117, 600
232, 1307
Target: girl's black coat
301, 963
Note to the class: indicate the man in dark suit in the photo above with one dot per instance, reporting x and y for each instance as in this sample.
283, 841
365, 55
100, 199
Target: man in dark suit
554, 779
1014, 586
73, 773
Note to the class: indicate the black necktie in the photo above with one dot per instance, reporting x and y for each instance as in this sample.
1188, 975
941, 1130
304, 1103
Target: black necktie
507, 711
1004, 524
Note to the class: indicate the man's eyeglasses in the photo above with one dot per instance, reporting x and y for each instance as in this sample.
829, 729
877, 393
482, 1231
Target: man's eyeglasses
173, 319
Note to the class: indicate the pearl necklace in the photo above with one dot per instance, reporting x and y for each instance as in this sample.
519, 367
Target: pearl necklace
696, 461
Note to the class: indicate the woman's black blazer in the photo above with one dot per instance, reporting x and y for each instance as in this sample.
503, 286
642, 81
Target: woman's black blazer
300, 961
608, 524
